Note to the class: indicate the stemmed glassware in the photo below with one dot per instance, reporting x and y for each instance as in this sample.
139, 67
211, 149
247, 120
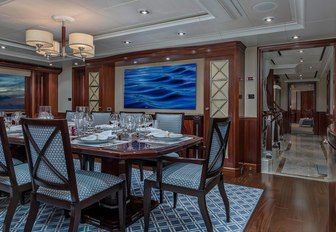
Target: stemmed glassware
45, 112
90, 120
81, 119
115, 119
16, 116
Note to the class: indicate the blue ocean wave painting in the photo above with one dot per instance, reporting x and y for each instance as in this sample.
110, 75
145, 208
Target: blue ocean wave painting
161, 87
12, 92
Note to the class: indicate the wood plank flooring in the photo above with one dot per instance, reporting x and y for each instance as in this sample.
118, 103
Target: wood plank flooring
287, 204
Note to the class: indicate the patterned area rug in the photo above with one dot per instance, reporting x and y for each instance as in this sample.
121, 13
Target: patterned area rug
186, 216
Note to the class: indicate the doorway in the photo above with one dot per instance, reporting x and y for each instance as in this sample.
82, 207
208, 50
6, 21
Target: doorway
297, 90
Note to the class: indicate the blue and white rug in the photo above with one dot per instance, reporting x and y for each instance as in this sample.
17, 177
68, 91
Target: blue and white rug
164, 218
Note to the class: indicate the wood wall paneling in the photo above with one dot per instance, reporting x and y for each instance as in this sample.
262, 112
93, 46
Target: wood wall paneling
79, 87
234, 51
248, 143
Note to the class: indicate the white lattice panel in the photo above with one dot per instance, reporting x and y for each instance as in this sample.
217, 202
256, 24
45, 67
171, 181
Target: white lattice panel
94, 91
219, 88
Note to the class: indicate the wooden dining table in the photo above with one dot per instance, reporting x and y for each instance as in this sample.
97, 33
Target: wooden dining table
114, 158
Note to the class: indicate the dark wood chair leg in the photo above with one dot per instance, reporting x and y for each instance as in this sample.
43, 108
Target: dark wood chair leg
146, 206
22, 198
225, 198
161, 196
175, 200
13, 202
141, 171
34, 206
205, 213
128, 176
75, 219
91, 163
122, 209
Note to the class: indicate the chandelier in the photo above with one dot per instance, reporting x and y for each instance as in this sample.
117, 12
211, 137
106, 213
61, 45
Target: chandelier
81, 44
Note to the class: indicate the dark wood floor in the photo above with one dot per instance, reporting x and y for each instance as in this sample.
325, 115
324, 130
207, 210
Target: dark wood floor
287, 204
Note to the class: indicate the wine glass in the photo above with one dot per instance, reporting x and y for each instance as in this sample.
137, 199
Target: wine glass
16, 116
8, 122
115, 118
90, 120
45, 112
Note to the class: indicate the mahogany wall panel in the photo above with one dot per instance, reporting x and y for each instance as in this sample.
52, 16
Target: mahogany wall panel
248, 143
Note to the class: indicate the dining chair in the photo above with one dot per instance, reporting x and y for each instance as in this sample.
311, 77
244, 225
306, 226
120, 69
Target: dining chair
195, 177
54, 178
14, 179
172, 122
101, 117
69, 115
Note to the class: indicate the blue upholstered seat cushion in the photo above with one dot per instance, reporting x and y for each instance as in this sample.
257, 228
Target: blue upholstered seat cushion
88, 184
22, 175
16, 162
172, 154
181, 174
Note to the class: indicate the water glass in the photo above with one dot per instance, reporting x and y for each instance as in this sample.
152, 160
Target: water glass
45, 112
81, 123
115, 119
16, 116
8, 121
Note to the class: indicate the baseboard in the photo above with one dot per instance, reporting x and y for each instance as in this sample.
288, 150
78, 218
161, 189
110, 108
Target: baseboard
256, 168
231, 172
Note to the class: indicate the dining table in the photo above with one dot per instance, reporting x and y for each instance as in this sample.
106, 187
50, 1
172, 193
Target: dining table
114, 156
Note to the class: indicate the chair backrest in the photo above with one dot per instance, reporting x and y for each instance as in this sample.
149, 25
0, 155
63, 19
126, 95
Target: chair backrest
101, 117
6, 162
124, 113
172, 122
69, 115
49, 155
216, 144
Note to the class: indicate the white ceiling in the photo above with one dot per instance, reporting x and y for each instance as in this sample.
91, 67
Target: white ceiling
204, 21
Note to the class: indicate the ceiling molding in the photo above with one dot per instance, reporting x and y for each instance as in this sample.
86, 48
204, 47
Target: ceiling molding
193, 19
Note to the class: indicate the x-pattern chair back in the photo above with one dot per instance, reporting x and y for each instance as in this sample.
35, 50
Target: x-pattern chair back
14, 180
49, 155
6, 162
216, 145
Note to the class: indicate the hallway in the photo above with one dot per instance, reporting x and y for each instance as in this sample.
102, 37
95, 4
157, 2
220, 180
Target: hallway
301, 155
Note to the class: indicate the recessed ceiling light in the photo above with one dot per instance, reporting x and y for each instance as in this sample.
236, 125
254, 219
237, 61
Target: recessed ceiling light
135, 62
295, 37
301, 60
76, 63
300, 75
311, 67
144, 11
269, 19
127, 42
181, 33
300, 51
3, 47
167, 58
50, 64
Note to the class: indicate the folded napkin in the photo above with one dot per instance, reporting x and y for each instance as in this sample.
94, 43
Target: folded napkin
104, 127
105, 135
17, 128
150, 129
165, 134
71, 123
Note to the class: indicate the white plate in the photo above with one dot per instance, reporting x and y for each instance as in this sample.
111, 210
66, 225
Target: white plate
88, 141
167, 136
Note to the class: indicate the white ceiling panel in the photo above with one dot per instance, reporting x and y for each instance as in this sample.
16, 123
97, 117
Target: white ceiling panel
204, 21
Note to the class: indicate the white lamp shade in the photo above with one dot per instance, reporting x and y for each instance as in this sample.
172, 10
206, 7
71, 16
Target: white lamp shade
52, 51
80, 41
39, 38
84, 53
